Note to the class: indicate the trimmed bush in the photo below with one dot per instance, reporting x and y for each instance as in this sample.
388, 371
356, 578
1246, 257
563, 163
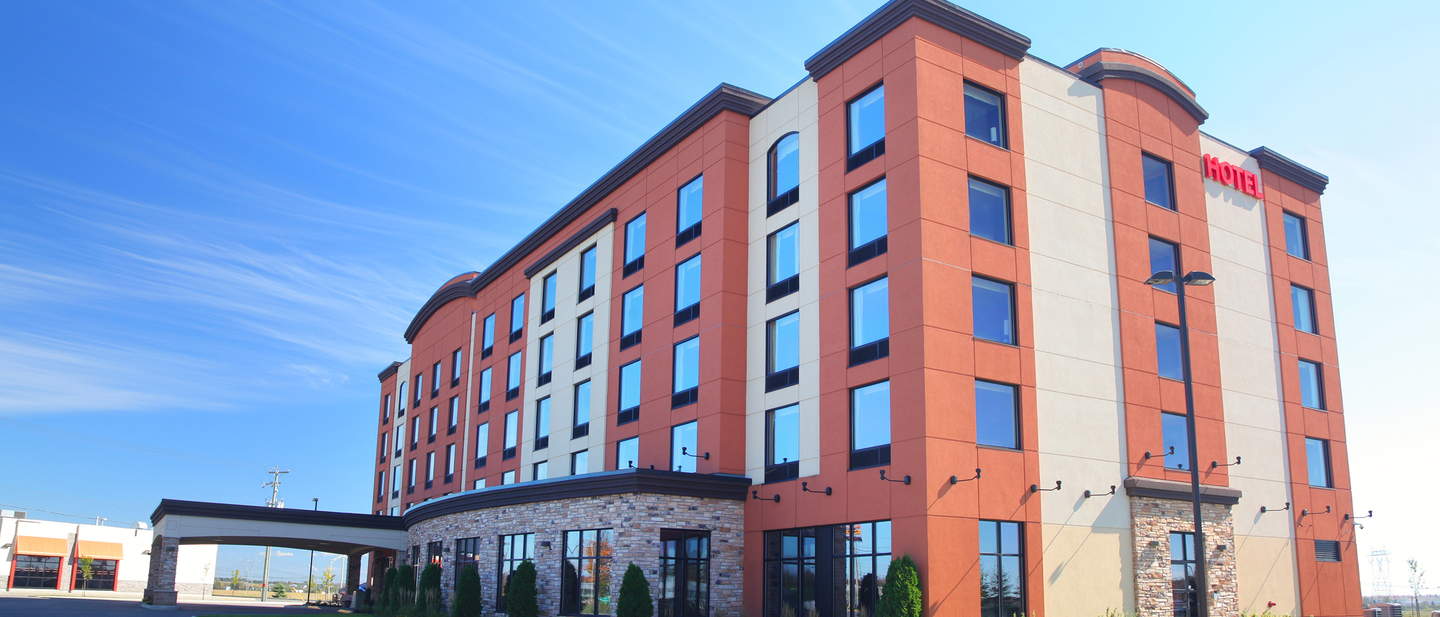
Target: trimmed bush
467, 594
901, 595
428, 597
405, 590
387, 593
522, 600
635, 595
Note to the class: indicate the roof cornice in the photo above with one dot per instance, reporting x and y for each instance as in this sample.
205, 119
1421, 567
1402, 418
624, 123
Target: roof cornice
177, 507
389, 370
723, 98
896, 12
1287, 168
575, 239
1100, 71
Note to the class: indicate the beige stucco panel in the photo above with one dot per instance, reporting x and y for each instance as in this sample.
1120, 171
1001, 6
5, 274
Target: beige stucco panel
1266, 569
1087, 570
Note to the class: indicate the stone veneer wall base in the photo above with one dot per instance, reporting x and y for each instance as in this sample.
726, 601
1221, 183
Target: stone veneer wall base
1152, 520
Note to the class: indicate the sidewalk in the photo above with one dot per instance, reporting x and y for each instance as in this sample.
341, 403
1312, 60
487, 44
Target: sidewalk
136, 596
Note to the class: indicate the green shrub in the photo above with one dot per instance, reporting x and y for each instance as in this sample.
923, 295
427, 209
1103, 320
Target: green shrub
901, 595
467, 601
635, 595
387, 593
405, 590
277, 590
428, 597
523, 600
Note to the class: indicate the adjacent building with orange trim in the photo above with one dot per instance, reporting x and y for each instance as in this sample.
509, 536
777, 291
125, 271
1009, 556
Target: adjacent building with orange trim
900, 308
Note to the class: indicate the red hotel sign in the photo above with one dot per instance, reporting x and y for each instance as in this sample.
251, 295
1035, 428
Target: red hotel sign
1235, 176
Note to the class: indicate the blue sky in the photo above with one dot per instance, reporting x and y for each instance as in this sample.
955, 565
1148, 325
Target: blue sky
217, 218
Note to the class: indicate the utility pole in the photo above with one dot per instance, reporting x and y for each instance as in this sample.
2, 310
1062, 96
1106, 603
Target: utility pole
311, 581
275, 502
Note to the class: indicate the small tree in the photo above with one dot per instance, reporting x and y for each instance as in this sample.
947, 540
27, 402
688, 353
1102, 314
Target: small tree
327, 579
523, 600
467, 594
428, 597
901, 594
87, 571
235, 580
209, 584
405, 590
387, 589
635, 595
1417, 582
277, 590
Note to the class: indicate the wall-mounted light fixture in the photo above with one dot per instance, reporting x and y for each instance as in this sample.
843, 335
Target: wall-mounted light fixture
683, 452
906, 481
1089, 494
1149, 456
756, 496
1305, 513
1264, 509
1214, 464
1368, 514
1035, 488
957, 480
544, 544
805, 487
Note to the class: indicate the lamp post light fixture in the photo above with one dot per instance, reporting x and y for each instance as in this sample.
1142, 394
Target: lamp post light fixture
1198, 279
310, 583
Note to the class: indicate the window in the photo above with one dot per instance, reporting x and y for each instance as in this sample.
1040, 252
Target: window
385, 410
690, 206
993, 307
435, 380
632, 317
634, 245
547, 359
627, 453
414, 432
997, 414
514, 550
782, 444
866, 120
782, 357
454, 415
1175, 433
507, 477
449, 463
547, 298
984, 115
684, 574
419, 381
870, 425
585, 340
1164, 256
581, 422
399, 437
35, 572
434, 424
1297, 239
683, 446
1312, 388
467, 555
384, 445
542, 423
587, 274
484, 393
580, 463
395, 482
512, 422
783, 262
540, 471
868, 223
989, 211
482, 444
1325, 550
517, 318
791, 579
686, 386
487, 342
380, 487
1167, 351
870, 321
687, 290
479, 484
1159, 189
433, 553
513, 374
1002, 567
1182, 574
400, 403
1317, 462
1302, 302
455, 363
784, 166
585, 573
867, 560
629, 393
429, 469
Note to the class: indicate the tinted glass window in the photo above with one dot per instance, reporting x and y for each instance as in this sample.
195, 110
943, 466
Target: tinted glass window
687, 365
1167, 351
784, 255
517, 313
1157, 181
484, 384
512, 427
691, 210
547, 353
482, 439
630, 385
1295, 241
989, 211
587, 268
585, 335
489, 333
687, 283
870, 312
783, 435
996, 422
1317, 460
514, 371
983, 117
542, 418
784, 339
582, 403
870, 416
993, 310
785, 165
627, 453
682, 446
1002, 562
1312, 392
632, 310
867, 119
1302, 302
867, 215
580, 462
548, 301
1162, 257
1175, 432
635, 239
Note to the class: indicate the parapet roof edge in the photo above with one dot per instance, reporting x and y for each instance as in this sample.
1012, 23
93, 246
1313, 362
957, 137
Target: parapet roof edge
724, 97
179, 507
1122, 50
1099, 71
1287, 168
389, 370
939, 12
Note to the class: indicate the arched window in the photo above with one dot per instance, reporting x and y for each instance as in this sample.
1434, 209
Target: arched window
784, 161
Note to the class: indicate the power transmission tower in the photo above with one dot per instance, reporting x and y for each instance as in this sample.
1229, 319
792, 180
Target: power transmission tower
1380, 573
275, 502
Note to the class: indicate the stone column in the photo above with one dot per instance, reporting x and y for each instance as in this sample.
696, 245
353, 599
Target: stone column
352, 572
160, 586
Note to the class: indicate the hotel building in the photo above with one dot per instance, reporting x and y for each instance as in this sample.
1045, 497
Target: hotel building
900, 308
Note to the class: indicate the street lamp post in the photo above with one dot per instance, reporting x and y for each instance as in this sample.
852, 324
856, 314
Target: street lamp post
1199, 279
311, 583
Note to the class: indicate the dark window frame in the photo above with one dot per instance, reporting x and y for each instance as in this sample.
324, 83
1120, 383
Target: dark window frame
542, 428
1179, 352
687, 598
583, 360
774, 290
787, 377
1169, 180
631, 266
1327, 462
1319, 383
507, 565
1009, 207
579, 429
1304, 227
999, 556
1014, 329
683, 236
587, 291
457, 360
690, 395
626, 415
874, 248
570, 602
776, 203
1174, 257
788, 469
547, 296
628, 340
1309, 305
487, 324
691, 312
873, 150
517, 333
1003, 113
544, 376
873, 350
872, 456
1186, 561
1017, 418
